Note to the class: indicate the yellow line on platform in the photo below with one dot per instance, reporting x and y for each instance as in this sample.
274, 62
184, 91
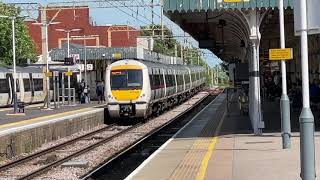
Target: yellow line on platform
205, 161
211, 147
28, 121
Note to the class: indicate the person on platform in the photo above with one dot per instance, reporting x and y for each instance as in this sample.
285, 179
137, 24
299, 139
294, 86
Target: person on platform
99, 91
314, 93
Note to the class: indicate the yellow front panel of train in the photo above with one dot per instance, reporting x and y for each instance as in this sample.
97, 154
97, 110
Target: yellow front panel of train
126, 95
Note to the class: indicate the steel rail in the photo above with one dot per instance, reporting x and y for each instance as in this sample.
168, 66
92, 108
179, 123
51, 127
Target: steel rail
78, 153
51, 149
138, 141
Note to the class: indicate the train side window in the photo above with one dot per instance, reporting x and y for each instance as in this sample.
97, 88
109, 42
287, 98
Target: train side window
18, 85
161, 78
26, 84
180, 79
156, 79
38, 84
173, 82
4, 86
187, 78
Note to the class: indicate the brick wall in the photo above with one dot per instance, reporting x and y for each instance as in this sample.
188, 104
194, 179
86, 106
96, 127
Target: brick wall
121, 36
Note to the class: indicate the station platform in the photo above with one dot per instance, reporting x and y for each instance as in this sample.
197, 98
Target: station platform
25, 132
220, 145
34, 113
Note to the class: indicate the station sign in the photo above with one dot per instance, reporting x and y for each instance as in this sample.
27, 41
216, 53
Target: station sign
69, 73
48, 74
116, 55
80, 67
280, 54
232, 1
89, 67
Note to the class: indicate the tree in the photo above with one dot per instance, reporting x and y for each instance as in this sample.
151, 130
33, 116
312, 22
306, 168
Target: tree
167, 46
25, 47
164, 46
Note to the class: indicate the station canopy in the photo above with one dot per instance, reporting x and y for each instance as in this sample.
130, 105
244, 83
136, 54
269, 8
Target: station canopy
223, 27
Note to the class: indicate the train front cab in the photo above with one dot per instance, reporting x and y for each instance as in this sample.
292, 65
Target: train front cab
126, 87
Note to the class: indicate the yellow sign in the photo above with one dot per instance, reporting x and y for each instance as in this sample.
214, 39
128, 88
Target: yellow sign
48, 74
280, 54
69, 73
116, 55
232, 1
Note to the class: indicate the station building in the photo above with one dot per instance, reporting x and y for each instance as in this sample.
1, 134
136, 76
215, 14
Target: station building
79, 18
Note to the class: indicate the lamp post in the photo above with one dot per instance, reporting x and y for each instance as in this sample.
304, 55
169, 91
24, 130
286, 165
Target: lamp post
68, 31
307, 143
15, 105
44, 30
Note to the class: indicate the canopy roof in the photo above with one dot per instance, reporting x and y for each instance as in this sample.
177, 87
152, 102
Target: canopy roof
211, 5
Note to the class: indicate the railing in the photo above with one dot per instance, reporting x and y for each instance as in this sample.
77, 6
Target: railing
63, 96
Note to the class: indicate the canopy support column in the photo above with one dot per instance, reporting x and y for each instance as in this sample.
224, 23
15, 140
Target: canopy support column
254, 19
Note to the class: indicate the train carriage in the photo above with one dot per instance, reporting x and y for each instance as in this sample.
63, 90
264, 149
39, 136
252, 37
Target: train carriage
140, 88
29, 84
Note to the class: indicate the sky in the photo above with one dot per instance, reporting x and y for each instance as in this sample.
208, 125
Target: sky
134, 17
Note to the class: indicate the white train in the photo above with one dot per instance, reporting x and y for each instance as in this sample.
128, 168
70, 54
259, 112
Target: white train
140, 88
29, 85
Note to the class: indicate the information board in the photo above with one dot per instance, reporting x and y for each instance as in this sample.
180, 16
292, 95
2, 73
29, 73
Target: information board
280, 54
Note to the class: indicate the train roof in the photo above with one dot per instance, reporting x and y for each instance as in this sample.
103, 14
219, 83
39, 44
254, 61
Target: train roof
27, 69
161, 65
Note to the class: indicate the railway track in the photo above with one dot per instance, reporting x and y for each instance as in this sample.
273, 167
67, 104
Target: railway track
118, 141
42, 169
113, 163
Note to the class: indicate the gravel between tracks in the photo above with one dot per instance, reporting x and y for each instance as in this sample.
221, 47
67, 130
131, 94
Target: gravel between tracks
99, 154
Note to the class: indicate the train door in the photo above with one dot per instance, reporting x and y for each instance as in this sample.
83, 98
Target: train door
5, 94
9, 78
27, 88
176, 74
31, 87
38, 82
163, 82
152, 83
169, 88
24, 84
157, 82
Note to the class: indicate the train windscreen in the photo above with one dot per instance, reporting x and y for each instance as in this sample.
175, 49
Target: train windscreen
126, 79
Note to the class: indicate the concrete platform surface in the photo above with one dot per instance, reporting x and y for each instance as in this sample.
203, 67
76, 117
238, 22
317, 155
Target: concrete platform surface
23, 134
181, 157
35, 113
218, 147
248, 157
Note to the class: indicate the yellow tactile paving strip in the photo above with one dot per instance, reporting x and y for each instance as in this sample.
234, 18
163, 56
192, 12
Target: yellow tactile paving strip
186, 155
194, 163
190, 165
